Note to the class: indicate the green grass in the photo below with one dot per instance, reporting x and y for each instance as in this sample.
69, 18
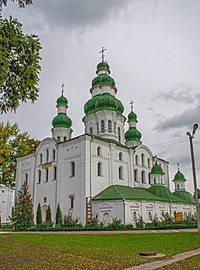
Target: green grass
192, 263
64, 251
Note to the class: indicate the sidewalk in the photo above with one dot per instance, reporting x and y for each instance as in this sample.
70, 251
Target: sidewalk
161, 263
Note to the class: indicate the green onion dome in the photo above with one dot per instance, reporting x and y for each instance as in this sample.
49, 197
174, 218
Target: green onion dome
103, 79
103, 66
179, 177
161, 191
132, 117
62, 101
104, 101
157, 169
120, 107
132, 134
184, 195
61, 121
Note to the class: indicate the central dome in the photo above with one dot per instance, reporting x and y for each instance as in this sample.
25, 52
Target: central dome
103, 79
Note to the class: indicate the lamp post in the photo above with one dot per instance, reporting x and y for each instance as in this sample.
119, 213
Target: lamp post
191, 136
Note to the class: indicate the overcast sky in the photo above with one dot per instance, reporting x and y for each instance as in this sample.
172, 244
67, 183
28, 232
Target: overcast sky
153, 50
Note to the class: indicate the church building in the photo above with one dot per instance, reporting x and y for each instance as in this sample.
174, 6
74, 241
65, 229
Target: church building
107, 170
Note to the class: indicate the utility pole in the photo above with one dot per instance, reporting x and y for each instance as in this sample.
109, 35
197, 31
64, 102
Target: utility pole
191, 136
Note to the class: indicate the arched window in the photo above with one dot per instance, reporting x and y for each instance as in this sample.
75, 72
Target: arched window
120, 156
143, 177
99, 169
149, 163
115, 127
40, 158
109, 126
39, 176
47, 155
58, 138
136, 159
46, 175
71, 197
136, 175
119, 134
121, 173
65, 138
91, 130
177, 186
99, 151
54, 154
154, 180
150, 215
142, 159
102, 126
54, 173
72, 163
134, 216
97, 127
26, 178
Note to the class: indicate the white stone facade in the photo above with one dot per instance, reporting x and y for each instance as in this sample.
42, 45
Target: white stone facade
6, 203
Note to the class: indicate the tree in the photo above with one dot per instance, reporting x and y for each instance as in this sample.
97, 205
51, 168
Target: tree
22, 3
39, 215
48, 215
13, 144
22, 213
58, 215
19, 65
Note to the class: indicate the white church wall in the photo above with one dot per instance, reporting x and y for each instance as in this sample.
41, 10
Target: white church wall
6, 203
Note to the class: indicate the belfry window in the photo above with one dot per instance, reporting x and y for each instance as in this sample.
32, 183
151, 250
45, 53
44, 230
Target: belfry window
102, 126
99, 151
99, 169
119, 134
47, 175
39, 176
72, 164
54, 173
47, 155
142, 158
121, 156
148, 162
109, 126
121, 173
40, 158
136, 159
143, 177
91, 130
136, 175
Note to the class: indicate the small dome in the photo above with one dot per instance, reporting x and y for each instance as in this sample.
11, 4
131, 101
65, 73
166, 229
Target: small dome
103, 66
132, 134
179, 177
103, 79
62, 101
132, 117
106, 102
157, 169
61, 120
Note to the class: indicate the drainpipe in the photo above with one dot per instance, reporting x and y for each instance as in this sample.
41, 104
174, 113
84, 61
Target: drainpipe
124, 210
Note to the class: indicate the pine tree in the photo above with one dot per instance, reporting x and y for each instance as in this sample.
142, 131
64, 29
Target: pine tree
48, 215
58, 215
22, 213
39, 215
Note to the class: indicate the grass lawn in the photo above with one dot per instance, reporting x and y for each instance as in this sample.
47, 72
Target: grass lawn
99, 252
192, 263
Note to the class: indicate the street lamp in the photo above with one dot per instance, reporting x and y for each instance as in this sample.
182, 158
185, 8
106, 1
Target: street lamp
191, 136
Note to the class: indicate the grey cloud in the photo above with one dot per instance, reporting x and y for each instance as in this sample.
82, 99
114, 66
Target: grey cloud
78, 14
185, 119
181, 93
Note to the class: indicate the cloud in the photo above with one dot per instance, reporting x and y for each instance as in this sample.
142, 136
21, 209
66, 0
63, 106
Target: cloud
79, 14
180, 93
185, 119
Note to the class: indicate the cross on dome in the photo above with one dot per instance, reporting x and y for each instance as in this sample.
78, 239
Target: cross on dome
131, 103
102, 54
178, 166
62, 86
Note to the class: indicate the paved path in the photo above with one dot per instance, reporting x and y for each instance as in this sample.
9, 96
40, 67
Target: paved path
161, 263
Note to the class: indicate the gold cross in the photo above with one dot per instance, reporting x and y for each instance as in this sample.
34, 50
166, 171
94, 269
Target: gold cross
102, 54
62, 86
131, 103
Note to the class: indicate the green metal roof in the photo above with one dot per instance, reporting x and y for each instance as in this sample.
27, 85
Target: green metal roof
118, 192
103, 66
132, 117
179, 177
157, 169
164, 193
103, 79
184, 196
61, 120
132, 134
62, 101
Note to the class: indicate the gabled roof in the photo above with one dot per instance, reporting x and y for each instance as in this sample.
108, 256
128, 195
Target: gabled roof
118, 192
